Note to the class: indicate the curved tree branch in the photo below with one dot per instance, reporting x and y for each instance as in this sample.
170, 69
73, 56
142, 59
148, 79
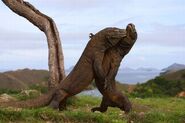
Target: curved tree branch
48, 26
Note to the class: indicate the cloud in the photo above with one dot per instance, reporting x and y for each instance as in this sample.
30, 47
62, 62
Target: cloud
164, 35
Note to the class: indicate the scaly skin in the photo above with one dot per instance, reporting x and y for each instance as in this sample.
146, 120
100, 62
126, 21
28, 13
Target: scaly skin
112, 59
82, 74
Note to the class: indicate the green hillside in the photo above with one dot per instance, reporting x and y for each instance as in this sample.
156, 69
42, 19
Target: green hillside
176, 76
21, 79
165, 85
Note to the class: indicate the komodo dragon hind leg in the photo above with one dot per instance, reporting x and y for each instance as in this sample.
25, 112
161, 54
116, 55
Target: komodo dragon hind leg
103, 106
63, 105
59, 96
127, 105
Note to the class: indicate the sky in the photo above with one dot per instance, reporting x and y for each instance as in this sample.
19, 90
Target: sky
160, 25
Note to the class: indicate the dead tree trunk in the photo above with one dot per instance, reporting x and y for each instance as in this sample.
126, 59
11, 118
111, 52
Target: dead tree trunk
48, 26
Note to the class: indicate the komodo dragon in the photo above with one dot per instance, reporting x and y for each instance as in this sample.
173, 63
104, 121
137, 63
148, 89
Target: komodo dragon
83, 72
112, 59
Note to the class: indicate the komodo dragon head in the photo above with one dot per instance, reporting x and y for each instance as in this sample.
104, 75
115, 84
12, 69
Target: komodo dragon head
131, 31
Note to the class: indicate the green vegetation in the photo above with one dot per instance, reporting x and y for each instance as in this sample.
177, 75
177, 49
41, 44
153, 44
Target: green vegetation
36, 90
40, 88
160, 110
22, 96
149, 110
159, 87
9, 91
153, 102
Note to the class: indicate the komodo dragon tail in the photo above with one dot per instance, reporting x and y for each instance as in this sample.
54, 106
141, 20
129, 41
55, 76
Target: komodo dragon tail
31, 103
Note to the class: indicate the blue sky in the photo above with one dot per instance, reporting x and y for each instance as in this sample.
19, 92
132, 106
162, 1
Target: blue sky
160, 25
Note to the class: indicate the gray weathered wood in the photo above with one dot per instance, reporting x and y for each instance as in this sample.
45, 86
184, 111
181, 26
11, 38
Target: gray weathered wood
48, 26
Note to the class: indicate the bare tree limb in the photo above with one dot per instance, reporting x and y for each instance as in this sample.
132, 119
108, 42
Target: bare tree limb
48, 26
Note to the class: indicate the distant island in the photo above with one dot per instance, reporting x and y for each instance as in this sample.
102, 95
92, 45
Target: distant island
22, 78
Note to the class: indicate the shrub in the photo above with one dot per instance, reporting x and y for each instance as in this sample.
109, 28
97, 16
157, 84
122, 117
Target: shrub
158, 87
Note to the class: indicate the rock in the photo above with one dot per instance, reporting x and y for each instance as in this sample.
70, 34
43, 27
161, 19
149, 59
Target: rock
142, 114
6, 98
181, 94
30, 92
45, 117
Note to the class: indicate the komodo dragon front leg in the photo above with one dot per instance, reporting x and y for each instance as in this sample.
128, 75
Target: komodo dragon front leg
112, 73
97, 65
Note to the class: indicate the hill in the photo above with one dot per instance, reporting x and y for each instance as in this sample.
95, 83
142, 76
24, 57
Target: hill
24, 78
173, 68
125, 87
176, 76
169, 84
21, 79
133, 76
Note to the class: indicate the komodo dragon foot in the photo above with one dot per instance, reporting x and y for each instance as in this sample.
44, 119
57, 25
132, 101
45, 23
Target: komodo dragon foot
100, 109
121, 102
59, 96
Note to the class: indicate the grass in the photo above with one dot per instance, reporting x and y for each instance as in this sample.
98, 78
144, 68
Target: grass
159, 110
148, 110
38, 89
